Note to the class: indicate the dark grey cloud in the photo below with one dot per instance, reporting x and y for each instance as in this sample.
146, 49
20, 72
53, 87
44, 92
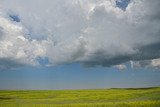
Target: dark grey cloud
148, 52
1, 33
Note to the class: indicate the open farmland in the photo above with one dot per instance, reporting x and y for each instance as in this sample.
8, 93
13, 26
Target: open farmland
149, 97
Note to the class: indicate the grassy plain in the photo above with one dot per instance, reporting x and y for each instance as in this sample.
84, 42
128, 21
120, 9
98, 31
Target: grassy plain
149, 97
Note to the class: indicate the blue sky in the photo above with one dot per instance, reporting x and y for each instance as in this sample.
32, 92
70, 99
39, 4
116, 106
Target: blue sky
74, 76
79, 45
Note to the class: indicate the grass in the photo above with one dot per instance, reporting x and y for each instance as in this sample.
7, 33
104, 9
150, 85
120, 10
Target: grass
149, 97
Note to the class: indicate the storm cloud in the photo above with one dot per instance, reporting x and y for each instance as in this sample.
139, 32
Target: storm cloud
93, 32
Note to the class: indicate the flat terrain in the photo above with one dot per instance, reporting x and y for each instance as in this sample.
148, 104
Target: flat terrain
149, 97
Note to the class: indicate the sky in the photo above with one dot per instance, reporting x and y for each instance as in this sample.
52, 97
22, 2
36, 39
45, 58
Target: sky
79, 44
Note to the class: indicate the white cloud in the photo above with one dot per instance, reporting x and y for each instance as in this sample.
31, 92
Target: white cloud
154, 63
14, 44
92, 32
121, 67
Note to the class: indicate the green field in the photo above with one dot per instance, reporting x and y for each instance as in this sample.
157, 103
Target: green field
149, 97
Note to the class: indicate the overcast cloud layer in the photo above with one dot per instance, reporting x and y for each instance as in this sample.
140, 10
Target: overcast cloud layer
90, 32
